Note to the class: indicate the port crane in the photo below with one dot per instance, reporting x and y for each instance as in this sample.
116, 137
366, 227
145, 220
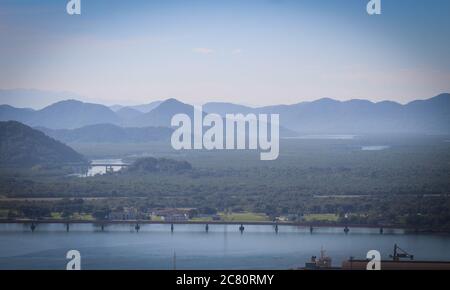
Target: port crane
399, 253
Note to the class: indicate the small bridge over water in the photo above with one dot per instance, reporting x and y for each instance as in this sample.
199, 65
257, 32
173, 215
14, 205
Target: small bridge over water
109, 166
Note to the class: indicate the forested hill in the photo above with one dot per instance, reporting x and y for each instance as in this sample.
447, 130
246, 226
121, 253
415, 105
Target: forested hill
152, 165
108, 133
22, 146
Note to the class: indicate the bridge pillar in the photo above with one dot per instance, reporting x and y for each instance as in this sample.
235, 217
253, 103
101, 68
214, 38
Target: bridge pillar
241, 229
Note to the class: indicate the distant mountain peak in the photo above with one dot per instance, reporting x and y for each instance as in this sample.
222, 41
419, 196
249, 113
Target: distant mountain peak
71, 114
172, 105
443, 99
324, 115
360, 101
325, 101
70, 102
171, 101
443, 95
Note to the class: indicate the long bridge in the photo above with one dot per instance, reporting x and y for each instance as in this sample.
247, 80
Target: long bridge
102, 223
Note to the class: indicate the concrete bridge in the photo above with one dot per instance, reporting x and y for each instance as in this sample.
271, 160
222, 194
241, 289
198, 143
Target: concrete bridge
102, 223
109, 166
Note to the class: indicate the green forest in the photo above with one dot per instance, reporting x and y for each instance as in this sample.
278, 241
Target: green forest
405, 185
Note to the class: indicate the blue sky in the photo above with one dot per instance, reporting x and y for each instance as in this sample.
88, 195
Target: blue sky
256, 52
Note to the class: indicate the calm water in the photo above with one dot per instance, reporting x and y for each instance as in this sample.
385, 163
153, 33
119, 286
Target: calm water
223, 247
322, 137
375, 148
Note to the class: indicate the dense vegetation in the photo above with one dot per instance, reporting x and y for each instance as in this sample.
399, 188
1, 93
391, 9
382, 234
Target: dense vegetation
153, 165
22, 146
407, 184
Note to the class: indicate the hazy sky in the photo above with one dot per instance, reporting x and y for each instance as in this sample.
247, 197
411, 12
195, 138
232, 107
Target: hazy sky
252, 52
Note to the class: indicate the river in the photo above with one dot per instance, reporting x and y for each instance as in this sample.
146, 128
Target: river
190, 247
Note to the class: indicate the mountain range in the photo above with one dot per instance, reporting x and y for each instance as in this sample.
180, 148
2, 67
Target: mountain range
108, 133
324, 116
68, 114
145, 108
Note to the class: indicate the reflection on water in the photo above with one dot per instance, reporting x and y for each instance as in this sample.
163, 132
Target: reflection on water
223, 247
375, 148
323, 137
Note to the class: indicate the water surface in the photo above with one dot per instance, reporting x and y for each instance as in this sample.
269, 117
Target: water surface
223, 247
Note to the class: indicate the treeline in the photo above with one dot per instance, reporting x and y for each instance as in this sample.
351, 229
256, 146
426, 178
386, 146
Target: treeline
421, 213
153, 165
22, 146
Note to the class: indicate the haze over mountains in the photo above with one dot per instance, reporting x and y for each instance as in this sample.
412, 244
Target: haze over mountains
324, 116
140, 108
69, 114
108, 133
328, 116
32, 98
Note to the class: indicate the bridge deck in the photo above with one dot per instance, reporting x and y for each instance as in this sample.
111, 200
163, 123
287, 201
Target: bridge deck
303, 224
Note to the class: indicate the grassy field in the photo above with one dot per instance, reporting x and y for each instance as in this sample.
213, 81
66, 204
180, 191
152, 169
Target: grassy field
326, 217
244, 217
56, 215
83, 217
75, 216
156, 218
